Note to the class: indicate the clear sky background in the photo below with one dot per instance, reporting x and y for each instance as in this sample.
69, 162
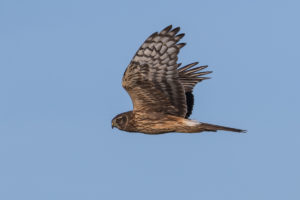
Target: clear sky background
61, 64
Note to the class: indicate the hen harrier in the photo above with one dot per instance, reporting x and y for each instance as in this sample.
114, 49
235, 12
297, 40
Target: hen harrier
161, 92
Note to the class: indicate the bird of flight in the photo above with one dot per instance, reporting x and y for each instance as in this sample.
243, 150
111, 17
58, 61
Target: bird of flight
161, 91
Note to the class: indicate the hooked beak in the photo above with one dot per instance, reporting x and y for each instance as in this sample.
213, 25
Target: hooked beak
112, 126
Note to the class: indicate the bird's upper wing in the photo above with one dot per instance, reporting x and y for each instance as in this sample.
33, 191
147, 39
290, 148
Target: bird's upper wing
151, 79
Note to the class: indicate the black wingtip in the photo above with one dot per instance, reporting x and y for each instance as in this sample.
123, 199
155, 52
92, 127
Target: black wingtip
175, 30
180, 45
178, 37
152, 35
166, 30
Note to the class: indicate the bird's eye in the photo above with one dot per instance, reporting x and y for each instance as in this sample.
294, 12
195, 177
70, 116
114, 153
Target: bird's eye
119, 120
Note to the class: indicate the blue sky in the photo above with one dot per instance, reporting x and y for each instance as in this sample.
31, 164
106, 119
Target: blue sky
61, 64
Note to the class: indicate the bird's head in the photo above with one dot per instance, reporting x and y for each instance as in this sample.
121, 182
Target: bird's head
120, 121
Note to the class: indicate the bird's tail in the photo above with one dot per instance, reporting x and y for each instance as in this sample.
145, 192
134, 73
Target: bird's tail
190, 126
212, 127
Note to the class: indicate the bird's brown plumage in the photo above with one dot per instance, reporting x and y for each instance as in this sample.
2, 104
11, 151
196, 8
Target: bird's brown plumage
161, 92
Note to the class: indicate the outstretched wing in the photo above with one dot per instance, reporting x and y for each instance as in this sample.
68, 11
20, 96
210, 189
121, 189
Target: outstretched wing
151, 79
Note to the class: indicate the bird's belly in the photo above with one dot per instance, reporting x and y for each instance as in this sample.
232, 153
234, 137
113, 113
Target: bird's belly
153, 125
